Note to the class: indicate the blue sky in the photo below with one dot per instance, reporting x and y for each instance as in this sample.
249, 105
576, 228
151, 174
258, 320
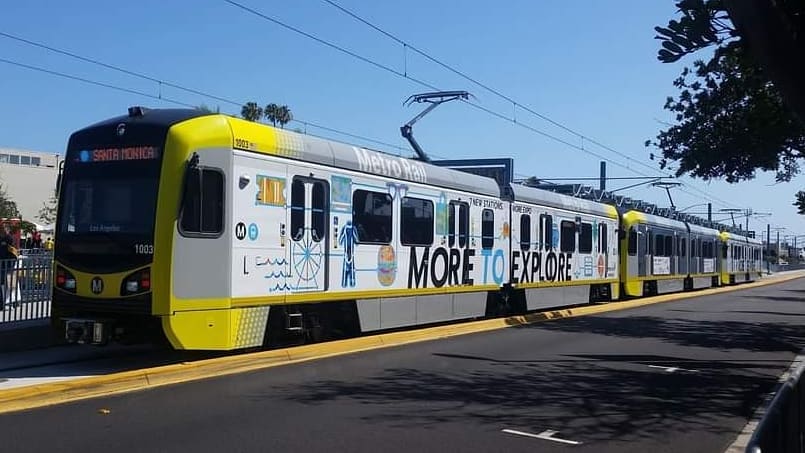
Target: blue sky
585, 64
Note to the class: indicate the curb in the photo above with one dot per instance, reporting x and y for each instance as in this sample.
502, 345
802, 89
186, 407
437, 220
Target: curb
745, 436
39, 395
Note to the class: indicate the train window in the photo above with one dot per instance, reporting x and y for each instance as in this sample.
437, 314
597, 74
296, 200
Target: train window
463, 224
632, 241
586, 238
371, 215
683, 242
650, 243
547, 230
525, 232
669, 246
318, 227
567, 237
487, 229
297, 209
659, 245
416, 221
451, 224
602, 237
203, 203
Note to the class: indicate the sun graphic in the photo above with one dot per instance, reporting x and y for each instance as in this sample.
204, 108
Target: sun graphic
505, 230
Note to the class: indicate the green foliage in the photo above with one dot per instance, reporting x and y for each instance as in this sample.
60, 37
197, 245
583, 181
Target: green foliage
27, 227
278, 114
730, 119
800, 202
8, 208
251, 111
703, 23
47, 213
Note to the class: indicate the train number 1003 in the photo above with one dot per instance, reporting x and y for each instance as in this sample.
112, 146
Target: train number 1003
144, 249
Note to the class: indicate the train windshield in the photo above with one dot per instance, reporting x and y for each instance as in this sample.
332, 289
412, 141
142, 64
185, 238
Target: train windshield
107, 207
108, 204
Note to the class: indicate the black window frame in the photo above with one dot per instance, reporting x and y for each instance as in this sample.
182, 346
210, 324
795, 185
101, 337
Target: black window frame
569, 226
586, 238
358, 225
603, 238
487, 229
416, 224
659, 244
631, 246
546, 223
525, 232
200, 233
297, 211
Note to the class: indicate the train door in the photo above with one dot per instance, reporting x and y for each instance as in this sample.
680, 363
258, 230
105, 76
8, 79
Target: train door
458, 221
602, 262
308, 253
682, 255
643, 250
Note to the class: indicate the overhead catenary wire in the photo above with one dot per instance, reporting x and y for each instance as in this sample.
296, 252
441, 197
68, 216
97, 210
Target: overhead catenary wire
421, 82
162, 82
491, 112
464, 75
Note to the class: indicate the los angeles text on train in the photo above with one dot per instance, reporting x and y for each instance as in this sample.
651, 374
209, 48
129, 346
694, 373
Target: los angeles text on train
218, 233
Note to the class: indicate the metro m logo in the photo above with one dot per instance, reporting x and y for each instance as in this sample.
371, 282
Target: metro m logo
96, 285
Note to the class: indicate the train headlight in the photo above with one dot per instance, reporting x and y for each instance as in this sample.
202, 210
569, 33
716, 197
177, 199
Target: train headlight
65, 280
137, 282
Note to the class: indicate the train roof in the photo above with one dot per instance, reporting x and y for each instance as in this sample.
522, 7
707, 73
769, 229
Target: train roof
656, 220
308, 148
702, 230
556, 200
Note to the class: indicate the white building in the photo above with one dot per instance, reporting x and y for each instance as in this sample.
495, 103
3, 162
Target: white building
29, 179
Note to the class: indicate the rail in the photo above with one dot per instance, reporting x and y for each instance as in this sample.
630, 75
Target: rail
781, 429
25, 286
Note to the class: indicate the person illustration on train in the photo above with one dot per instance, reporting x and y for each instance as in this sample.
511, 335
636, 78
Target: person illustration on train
348, 239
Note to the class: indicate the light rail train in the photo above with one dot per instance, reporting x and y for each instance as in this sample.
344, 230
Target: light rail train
217, 233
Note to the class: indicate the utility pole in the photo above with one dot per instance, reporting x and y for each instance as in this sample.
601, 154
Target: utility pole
768, 248
603, 182
778, 247
709, 212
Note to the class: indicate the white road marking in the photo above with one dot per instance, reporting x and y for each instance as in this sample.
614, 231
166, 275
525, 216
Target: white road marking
545, 435
671, 369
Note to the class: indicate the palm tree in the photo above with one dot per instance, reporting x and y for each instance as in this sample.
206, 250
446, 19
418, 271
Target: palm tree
251, 111
284, 115
271, 113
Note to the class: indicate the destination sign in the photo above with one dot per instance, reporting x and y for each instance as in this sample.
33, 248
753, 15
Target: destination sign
118, 154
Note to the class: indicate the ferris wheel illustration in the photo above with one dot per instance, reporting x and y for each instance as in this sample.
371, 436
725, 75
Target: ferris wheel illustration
306, 260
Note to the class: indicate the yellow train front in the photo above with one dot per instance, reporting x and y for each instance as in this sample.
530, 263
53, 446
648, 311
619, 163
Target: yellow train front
118, 197
741, 258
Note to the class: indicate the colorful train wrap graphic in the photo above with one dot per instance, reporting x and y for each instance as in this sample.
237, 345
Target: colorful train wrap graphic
218, 233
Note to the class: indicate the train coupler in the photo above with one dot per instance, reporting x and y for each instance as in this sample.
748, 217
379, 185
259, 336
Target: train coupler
87, 331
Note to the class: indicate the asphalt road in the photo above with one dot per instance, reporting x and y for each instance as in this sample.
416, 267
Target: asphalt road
680, 376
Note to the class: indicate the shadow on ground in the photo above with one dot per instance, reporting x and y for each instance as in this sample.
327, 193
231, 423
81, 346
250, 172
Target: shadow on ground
597, 397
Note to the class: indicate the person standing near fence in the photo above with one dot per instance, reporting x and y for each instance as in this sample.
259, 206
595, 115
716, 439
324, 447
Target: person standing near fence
8, 257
